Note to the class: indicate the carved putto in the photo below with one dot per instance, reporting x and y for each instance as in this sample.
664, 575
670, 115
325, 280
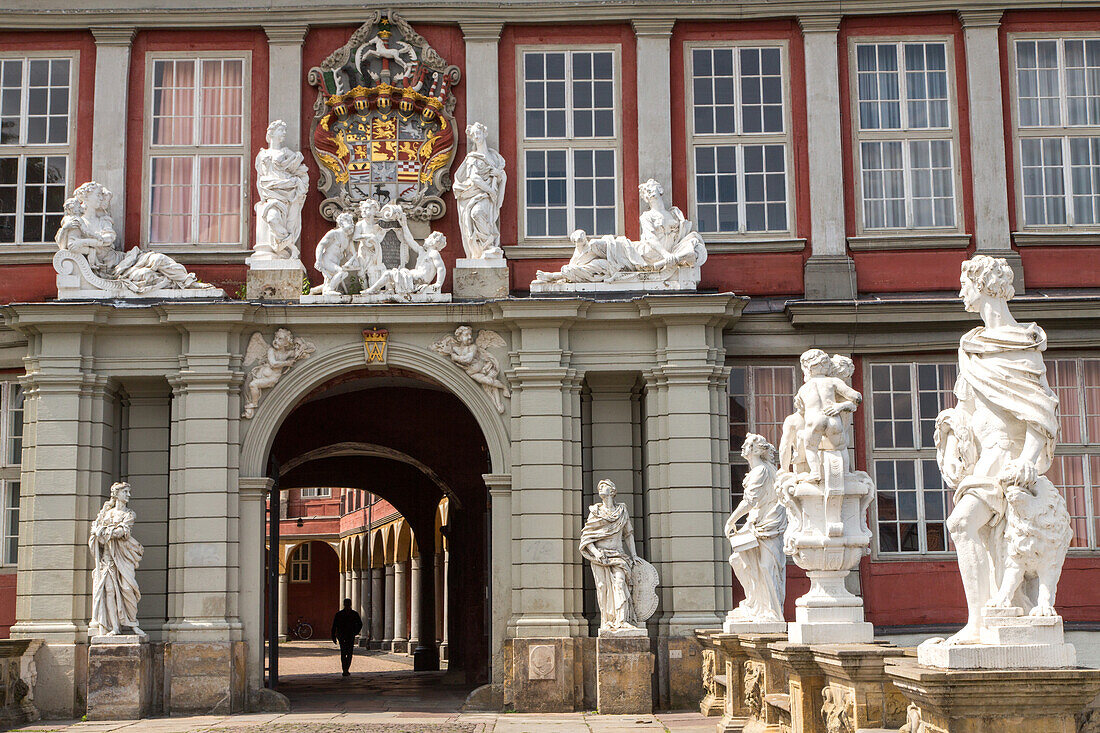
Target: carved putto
282, 183
834, 711
625, 583
668, 256
476, 359
271, 362
116, 555
90, 265
479, 190
383, 125
757, 557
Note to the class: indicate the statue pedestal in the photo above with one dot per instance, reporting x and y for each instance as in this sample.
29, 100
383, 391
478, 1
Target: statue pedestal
624, 675
1004, 700
854, 686
829, 613
481, 279
685, 278
271, 279
120, 677
736, 626
1009, 640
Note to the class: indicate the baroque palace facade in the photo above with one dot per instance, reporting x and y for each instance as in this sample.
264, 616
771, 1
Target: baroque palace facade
840, 161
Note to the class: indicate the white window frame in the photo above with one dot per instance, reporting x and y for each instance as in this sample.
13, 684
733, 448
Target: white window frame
193, 151
316, 492
568, 143
1063, 131
740, 139
22, 150
300, 561
904, 134
9, 472
1089, 447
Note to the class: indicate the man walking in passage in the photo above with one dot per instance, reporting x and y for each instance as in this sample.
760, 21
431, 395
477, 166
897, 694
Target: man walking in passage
345, 625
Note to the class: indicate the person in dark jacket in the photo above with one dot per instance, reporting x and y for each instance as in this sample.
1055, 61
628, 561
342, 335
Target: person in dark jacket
345, 625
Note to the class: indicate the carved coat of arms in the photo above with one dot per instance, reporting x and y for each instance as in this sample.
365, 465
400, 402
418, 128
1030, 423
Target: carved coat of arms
383, 124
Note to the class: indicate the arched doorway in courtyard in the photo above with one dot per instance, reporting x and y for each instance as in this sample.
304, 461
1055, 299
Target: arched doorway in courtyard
401, 458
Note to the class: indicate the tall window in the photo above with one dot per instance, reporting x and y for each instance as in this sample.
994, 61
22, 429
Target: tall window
1058, 126
740, 144
761, 398
11, 439
299, 564
197, 149
905, 129
913, 502
570, 142
1076, 467
36, 138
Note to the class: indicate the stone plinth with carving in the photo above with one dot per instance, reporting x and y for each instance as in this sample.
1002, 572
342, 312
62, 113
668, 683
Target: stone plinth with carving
1009, 524
668, 257
826, 502
120, 677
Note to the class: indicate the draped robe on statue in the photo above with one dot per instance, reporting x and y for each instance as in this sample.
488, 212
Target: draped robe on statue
763, 564
115, 593
606, 529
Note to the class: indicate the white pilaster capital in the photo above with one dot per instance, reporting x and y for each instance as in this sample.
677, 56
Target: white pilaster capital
113, 35
481, 31
653, 27
824, 23
286, 34
980, 18
254, 488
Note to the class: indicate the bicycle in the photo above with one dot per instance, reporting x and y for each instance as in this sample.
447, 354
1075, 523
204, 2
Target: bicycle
301, 629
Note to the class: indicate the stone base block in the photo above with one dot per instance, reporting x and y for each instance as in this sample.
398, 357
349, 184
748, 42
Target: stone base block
399, 646
844, 632
935, 653
626, 633
204, 677
481, 279
274, 279
1005, 701
544, 675
643, 282
730, 626
830, 277
363, 298
1011, 626
624, 676
120, 678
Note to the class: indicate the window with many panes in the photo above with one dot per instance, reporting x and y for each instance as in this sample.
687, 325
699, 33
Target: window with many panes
740, 139
36, 141
569, 144
1057, 115
913, 502
316, 493
1076, 467
905, 147
196, 150
11, 440
299, 564
760, 399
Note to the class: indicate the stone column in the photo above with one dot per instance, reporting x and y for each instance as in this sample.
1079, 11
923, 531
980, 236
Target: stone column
112, 75
285, 78
830, 273
654, 82
439, 595
987, 139
284, 595
356, 590
204, 628
364, 597
414, 604
400, 608
425, 652
480, 78
500, 507
253, 493
444, 645
387, 632
377, 604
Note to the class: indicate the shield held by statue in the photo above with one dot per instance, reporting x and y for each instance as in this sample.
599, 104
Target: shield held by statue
644, 580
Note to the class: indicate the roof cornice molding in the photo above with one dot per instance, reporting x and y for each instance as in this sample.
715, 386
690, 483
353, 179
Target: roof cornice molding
481, 30
289, 34
113, 35
980, 18
820, 23
653, 27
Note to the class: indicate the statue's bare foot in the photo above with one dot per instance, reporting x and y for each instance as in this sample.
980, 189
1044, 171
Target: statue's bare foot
1043, 610
969, 634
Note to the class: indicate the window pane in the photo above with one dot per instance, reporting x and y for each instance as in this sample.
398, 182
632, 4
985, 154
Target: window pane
170, 206
878, 86
1084, 155
926, 85
883, 184
222, 120
932, 183
773, 400
219, 200
715, 183
14, 450
713, 87
594, 183
738, 406
43, 196
11, 523
173, 102
1090, 381
1044, 189
546, 193
1063, 379
1068, 474
761, 90
765, 183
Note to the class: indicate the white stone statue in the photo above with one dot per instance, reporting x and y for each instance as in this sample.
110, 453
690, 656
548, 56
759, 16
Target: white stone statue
1010, 524
368, 242
336, 258
758, 559
475, 358
425, 277
116, 555
89, 265
479, 189
624, 581
668, 256
282, 182
826, 501
270, 363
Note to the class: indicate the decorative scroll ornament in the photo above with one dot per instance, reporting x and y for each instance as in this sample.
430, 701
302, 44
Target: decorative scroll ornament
383, 125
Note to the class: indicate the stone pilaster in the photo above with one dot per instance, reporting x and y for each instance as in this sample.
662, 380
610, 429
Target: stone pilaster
654, 83
377, 614
481, 80
400, 608
987, 139
387, 610
112, 74
285, 78
830, 273
253, 501
500, 506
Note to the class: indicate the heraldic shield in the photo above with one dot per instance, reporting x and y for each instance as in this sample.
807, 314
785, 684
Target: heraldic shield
383, 125
644, 580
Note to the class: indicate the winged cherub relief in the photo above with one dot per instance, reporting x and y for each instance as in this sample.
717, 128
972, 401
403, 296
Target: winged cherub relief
270, 362
474, 357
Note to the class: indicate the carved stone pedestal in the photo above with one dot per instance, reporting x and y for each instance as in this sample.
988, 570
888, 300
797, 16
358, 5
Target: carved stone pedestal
856, 688
714, 671
1006, 701
204, 677
805, 681
543, 675
624, 676
481, 279
764, 685
274, 279
120, 677
1010, 640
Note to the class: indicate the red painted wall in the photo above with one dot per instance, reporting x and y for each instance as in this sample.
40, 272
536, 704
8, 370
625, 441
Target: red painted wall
316, 601
7, 602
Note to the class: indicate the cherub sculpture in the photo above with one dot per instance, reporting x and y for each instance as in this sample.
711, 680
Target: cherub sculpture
336, 257
426, 276
270, 363
474, 357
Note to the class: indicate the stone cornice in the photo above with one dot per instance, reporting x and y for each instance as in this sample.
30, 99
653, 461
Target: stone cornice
286, 34
823, 23
113, 35
653, 27
481, 31
980, 18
